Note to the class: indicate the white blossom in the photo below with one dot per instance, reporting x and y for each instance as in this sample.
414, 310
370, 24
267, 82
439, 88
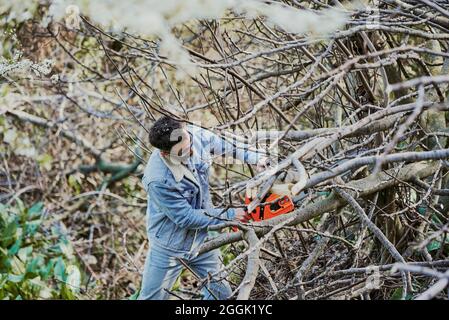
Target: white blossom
24, 67
157, 18
54, 78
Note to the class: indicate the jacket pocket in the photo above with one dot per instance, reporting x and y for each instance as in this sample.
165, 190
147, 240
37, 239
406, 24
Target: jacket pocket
161, 227
189, 237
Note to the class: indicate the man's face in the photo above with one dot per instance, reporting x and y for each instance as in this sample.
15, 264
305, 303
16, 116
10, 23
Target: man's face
181, 150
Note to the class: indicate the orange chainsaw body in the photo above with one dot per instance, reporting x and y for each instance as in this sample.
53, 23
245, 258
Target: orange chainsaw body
276, 206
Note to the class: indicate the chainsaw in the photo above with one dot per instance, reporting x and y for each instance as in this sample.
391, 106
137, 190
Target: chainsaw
273, 205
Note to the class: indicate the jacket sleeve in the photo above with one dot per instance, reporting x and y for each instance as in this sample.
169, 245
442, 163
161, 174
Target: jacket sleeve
218, 146
172, 203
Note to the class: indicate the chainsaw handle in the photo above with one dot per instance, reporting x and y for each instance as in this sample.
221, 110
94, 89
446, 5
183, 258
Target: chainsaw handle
249, 218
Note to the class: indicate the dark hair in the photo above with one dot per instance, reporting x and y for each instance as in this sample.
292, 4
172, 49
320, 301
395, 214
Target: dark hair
160, 133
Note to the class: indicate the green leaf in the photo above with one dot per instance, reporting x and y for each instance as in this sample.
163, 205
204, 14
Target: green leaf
43, 291
20, 206
9, 233
66, 293
134, 296
3, 280
434, 245
436, 219
17, 266
24, 253
422, 210
36, 210
32, 227
15, 278
33, 265
15, 247
45, 161
46, 270
74, 183
59, 270
397, 295
73, 278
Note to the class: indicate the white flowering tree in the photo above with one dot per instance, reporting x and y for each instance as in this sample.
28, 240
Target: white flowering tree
347, 98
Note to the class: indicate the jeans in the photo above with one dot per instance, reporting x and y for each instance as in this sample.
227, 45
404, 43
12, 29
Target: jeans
162, 269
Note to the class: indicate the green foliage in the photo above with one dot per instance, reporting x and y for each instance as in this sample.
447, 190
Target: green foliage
437, 243
45, 161
75, 183
227, 255
35, 263
397, 295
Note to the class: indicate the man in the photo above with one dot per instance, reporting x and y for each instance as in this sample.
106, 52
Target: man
179, 206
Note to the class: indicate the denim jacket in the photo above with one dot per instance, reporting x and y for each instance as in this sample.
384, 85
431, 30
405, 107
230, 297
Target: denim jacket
179, 207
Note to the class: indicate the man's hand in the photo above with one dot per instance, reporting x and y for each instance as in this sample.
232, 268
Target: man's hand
240, 215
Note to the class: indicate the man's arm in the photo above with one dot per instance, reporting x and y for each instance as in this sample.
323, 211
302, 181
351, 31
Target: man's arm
219, 146
172, 203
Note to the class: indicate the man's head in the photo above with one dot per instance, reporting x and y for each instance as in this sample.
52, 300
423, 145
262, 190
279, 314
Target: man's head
171, 137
